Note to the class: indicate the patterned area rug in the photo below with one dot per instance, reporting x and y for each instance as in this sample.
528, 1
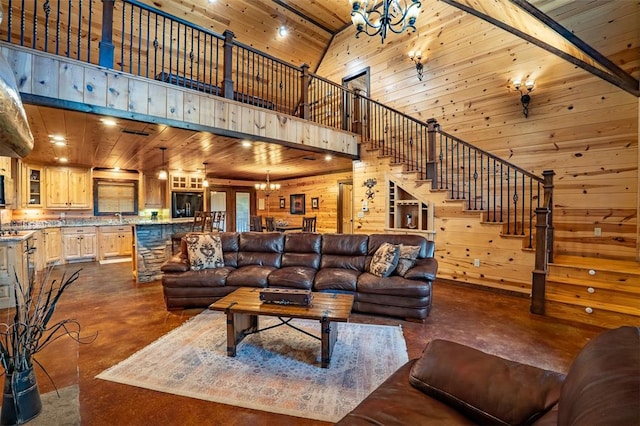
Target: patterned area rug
277, 370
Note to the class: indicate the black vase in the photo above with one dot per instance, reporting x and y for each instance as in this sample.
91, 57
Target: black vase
21, 398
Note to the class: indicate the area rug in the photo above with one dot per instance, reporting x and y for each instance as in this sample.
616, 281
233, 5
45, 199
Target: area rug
276, 370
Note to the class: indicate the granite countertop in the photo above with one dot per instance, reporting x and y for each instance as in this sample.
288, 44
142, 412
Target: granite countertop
15, 235
66, 223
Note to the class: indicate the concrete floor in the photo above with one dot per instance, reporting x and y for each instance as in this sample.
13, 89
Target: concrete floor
127, 316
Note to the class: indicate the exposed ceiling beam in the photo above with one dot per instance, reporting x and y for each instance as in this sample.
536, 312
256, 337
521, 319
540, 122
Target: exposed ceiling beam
303, 16
602, 68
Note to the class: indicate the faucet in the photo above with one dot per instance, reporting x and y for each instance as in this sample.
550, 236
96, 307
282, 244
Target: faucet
119, 217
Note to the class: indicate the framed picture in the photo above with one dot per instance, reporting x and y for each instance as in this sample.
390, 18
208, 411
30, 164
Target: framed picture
297, 204
282, 202
315, 203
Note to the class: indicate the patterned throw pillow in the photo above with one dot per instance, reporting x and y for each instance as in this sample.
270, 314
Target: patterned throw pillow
408, 256
204, 251
384, 260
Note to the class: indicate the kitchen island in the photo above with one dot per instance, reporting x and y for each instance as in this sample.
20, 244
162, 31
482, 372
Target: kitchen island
152, 246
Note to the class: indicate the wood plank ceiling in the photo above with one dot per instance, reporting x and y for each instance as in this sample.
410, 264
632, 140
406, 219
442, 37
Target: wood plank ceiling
311, 25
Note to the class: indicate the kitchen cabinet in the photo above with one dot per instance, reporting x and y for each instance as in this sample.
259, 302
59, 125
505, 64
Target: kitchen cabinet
79, 243
185, 182
115, 241
32, 186
68, 188
14, 263
6, 167
52, 243
154, 192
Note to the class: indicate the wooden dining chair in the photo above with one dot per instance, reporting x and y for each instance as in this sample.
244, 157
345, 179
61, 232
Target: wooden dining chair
309, 224
256, 224
198, 225
270, 223
218, 220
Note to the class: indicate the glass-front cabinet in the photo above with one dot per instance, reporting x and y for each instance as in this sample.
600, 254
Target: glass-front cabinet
33, 186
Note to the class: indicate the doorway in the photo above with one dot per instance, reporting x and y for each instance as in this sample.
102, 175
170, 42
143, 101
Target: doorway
355, 113
345, 207
237, 202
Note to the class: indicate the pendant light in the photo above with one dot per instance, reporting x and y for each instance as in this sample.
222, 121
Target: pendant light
163, 175
205, 182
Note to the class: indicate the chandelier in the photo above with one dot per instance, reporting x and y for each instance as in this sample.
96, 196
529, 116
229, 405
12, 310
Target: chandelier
396, 16
267, 186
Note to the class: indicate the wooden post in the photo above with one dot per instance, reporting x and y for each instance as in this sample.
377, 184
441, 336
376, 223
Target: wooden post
227, 82
539, 279
304, 90
432, 167
548, 200
106, 43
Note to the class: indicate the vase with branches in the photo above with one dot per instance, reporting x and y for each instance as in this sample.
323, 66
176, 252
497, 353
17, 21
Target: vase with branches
29, 330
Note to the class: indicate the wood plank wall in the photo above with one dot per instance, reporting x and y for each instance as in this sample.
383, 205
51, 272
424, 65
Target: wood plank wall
323, 187
580, 126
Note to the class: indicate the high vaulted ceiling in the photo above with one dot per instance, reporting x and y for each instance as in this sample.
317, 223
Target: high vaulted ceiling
312, 25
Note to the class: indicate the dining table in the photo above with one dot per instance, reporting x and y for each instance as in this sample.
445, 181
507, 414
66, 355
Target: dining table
285, 228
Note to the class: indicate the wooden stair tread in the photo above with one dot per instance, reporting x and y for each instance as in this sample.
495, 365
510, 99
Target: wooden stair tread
614, 265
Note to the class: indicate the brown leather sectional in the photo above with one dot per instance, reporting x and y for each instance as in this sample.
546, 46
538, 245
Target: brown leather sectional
318, 262
453, 384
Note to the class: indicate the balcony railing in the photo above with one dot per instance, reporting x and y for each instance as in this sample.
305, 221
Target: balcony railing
132, 37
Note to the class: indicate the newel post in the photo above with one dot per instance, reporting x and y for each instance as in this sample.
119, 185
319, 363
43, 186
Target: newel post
106, 43
548, 202
304, 90
432, 129
544, 246
227, 82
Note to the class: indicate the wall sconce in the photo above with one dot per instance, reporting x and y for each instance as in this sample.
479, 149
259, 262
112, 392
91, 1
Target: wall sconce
416, 57
525, 98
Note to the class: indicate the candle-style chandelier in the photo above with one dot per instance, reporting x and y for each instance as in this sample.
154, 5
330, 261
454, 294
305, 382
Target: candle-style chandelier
396, 16
267, 186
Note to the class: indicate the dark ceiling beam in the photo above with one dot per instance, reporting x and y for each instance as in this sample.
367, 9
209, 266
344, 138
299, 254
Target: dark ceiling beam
576, 41
628, 85
303, 16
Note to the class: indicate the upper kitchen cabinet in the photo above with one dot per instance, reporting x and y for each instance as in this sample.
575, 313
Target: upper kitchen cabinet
186, 182
68, 188
31, 186
154, 192
7, 181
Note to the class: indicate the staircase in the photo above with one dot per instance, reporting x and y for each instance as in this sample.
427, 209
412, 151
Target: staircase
601, 292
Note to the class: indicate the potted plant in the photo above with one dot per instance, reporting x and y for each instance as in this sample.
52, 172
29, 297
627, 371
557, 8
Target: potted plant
26, 332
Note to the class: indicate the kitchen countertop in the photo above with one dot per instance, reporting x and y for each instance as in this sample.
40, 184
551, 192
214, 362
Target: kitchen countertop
37, 225
7, 236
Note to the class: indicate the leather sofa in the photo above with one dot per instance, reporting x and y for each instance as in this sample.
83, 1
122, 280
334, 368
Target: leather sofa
453, 384
319, 262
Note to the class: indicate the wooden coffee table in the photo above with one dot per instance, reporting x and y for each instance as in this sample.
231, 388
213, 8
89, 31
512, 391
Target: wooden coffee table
243, 307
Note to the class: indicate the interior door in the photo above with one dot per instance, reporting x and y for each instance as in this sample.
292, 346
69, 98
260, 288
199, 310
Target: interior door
345, 207
355, 113
218, 203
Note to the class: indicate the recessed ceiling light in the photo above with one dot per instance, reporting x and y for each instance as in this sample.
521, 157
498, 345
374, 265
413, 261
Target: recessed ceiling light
328, 157
63, 159
57, 138
116, 169
282, 31
246, 144
108, 121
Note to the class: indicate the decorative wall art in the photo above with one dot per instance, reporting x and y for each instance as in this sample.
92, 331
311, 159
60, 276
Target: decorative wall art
315, 203
297, 204
282, 203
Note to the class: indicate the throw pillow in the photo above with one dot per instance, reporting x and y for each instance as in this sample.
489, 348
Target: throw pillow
384, 260
407, 258
204, 251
